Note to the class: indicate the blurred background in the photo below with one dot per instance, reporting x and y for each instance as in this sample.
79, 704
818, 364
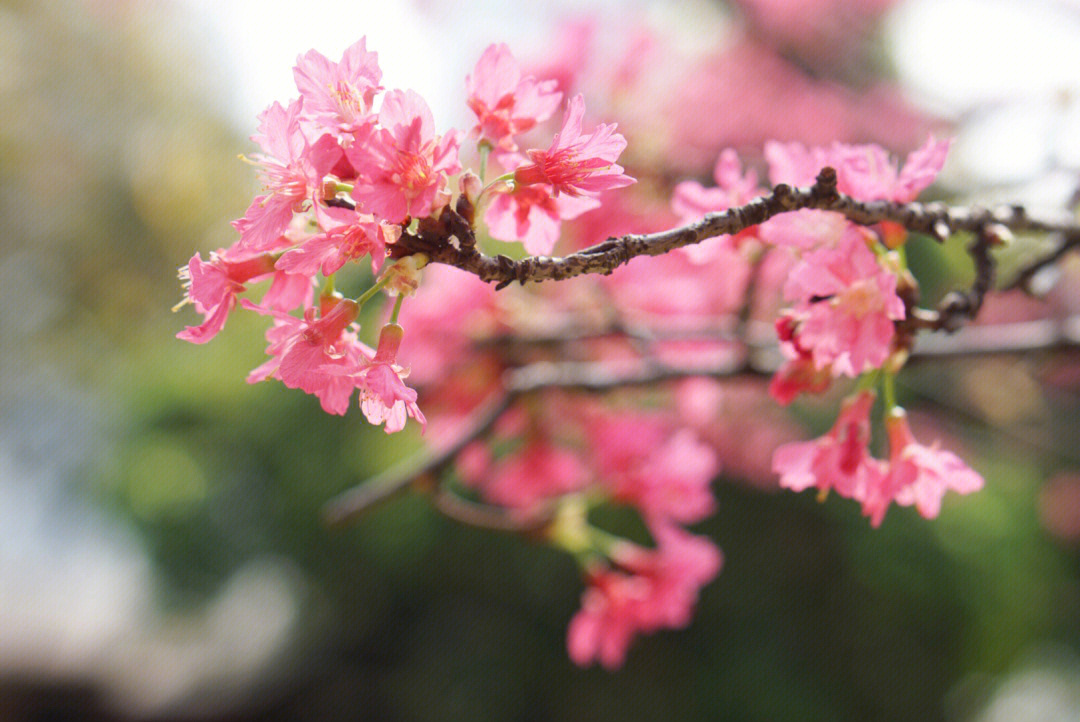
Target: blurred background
162, 554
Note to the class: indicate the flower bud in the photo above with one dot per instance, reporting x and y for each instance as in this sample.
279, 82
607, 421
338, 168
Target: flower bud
389, 343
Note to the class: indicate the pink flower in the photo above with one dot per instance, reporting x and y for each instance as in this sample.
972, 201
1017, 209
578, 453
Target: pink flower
212, 286
666, 475
384, 397
691, 201
539, 471
316, 355
917, 474
652, 589
506, 104
866, 172
402, 165
846, 306
799, 373
838, 460
288, 172
348, 235
534, 216
338, 96
577, 164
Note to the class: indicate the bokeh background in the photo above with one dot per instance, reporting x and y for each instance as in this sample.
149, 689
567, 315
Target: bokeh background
161, 550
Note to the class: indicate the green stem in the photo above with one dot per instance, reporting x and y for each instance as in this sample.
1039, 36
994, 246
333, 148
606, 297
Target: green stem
366, 295
603, 541
328, 287
888, 390
868, 380
397, 308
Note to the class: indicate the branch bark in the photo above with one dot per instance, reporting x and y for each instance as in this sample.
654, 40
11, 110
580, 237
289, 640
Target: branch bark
450, 240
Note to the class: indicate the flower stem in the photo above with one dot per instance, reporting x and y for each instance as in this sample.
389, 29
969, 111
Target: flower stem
888, 390
366, 295
397, 308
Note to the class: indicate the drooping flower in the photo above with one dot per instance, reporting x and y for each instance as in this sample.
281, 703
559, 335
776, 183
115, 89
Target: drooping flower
403, 165
846, 305
649, 590
316, 354
918, 475
666, 475
840, 460
799, 373
384, 397
506, 104
575, 163
338, 96
538, 471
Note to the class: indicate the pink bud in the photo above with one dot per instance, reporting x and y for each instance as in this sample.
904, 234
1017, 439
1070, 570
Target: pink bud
389, 343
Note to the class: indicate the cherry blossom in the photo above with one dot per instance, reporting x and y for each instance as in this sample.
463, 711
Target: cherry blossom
348, 235
533, 215
575, 163
403, 164
840, 460
384, 397
506, 104
315, 354
918, 475
213, 286
649, 590
287, 170
338, 96
846, 305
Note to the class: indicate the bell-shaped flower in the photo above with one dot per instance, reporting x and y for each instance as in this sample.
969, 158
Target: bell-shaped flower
918, 475
840, 460
384, 397
316, 354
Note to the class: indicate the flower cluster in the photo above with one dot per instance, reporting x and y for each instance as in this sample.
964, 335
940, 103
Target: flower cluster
357, 173
347, 169
840, 461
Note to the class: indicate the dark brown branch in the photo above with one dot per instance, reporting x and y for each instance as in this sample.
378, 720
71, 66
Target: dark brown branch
397, 479
1064, 243
437, 238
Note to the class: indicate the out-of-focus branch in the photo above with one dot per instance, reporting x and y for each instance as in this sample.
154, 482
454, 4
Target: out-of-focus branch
599, 377
450, 240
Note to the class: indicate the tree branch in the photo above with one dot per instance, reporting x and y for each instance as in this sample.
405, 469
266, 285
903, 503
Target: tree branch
599, 377
450, 239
